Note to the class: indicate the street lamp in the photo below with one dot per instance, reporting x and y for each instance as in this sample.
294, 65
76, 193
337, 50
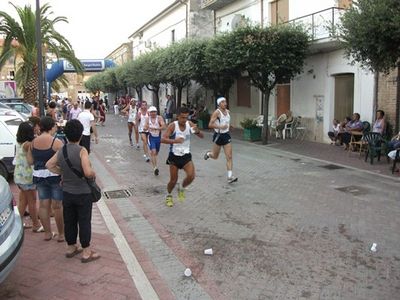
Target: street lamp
39, 58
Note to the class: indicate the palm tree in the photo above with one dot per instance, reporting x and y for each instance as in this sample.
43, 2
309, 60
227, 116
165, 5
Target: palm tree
20, 43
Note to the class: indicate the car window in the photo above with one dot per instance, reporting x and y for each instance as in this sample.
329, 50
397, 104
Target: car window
14, 122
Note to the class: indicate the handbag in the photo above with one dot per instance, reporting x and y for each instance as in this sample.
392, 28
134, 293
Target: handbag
95, 190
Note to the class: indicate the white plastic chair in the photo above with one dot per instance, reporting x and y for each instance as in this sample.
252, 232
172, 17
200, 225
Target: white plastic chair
289, 128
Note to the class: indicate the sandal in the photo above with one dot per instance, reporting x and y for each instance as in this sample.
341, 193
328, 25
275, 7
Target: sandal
75, 252
38, 229
27, 226
59, 239
93, 256
53, 235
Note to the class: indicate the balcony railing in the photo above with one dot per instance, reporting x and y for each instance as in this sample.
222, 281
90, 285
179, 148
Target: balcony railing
322, 24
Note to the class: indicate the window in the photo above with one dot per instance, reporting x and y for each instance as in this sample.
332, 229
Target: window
243, 92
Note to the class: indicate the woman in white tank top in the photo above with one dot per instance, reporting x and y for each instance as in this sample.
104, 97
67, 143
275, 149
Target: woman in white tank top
131, 111
141, 117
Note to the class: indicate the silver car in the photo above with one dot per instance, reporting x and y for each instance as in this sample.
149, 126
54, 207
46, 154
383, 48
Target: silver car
11, 231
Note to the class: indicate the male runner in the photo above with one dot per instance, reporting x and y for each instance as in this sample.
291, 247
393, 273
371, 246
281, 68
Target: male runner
220, 122
141, 117
178, 136
154, 124
131, 111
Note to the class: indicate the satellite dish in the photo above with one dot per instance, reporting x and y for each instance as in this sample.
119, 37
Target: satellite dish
236, 21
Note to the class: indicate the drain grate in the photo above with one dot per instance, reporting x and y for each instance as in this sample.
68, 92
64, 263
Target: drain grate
354, 190
332, 167
117, 194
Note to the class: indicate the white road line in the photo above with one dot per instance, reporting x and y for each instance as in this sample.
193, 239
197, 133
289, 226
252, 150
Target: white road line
142, 284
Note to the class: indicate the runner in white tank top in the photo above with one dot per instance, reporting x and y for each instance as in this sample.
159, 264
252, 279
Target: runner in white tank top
141, 117
220, 121
178, 136
131, 111
154, 124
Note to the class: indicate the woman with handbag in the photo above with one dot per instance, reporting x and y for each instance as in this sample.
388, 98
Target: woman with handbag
72, 162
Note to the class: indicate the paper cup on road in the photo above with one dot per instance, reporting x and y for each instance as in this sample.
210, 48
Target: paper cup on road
208, 251
188, 272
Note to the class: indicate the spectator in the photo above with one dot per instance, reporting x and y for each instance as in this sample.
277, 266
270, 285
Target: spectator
75, 111
116, 107
42, 149
282, 121
23, 176
102, 113
52, 110
87, 120
355, 125
35, 109
380, 123
170, 107
77, 201
333, 135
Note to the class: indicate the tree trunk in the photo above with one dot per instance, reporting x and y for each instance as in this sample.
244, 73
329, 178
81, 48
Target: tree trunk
179, 96
265, 100
157, 99
30, 89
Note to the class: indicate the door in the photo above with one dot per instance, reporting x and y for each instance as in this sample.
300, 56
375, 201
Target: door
282, 99
344, 96
279, 10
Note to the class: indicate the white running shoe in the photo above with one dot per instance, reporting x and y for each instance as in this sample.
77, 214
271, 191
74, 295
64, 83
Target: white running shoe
232, 179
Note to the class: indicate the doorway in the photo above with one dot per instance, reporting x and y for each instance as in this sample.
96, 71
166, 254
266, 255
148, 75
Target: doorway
344, 96
282, 99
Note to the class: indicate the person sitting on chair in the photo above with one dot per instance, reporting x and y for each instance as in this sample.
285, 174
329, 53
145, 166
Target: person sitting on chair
282, 121
355, 125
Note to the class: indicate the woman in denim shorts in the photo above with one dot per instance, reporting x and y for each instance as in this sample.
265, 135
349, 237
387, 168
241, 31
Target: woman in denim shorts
23, 176
47, 183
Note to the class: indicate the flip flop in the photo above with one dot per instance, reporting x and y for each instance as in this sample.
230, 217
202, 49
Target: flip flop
93, 256
59, 240
37, 230
72, 254
53, 235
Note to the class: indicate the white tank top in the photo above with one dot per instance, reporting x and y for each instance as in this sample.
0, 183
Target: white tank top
142, 121
184, 148
132, 114
223, 120
154, 127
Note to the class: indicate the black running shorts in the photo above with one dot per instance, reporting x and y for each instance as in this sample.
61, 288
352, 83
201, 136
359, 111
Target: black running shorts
179, 161
221, 139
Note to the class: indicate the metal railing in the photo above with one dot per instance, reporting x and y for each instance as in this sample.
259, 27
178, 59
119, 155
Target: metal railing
321, 24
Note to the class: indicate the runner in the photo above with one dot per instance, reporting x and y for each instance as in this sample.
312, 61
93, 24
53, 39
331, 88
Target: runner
141, 117
154, 124
178, 136
220, 122
131, 111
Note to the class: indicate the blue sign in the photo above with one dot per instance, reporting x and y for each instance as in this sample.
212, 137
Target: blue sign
89, 65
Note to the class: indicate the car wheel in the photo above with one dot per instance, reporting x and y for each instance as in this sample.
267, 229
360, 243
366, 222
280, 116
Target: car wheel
3, 171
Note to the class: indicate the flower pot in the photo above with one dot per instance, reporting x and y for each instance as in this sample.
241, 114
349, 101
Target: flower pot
252, 134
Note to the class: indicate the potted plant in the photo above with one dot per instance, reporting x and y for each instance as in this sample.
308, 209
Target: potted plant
251, 131
203, 119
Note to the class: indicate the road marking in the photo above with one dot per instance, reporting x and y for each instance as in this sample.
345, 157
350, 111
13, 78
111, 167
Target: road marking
142, 284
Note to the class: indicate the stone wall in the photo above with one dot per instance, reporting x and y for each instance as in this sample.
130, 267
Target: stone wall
387, 94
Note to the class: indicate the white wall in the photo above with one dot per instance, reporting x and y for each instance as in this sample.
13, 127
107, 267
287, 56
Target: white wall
318, 80
251, 9
299, 8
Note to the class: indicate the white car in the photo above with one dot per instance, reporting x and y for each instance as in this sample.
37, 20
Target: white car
5, 110
8, 140
11, 231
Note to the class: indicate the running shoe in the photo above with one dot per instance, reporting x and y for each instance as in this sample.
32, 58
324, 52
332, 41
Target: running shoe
137, 146
130, 142
206, 156
147, 159
232, 179
168, 201
156, 171
181, 194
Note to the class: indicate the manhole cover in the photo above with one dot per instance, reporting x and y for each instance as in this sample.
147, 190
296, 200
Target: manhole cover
354, 190
117, 194
332, 167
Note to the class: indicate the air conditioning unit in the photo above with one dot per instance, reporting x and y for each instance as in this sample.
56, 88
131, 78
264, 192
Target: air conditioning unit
147, 44
237, 20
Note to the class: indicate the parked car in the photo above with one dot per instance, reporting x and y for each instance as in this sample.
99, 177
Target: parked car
11, 231
8, 139
7, 111
9, 100
23, 108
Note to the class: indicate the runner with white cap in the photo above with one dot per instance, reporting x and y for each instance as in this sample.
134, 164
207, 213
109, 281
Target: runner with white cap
220, 122
154, 124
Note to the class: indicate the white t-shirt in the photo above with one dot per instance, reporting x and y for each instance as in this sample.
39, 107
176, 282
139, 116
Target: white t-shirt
85, 118
74, 113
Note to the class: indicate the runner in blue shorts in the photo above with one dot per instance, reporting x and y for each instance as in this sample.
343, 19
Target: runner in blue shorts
154, 124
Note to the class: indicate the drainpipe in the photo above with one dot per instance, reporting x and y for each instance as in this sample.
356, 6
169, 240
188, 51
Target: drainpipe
187, 17
215, 22
398, 100
262, 13
375, 99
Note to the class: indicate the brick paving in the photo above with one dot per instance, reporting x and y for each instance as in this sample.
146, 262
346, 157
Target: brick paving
289, 228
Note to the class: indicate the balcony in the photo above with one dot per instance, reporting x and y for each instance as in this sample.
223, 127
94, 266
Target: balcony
215, 4
322, 27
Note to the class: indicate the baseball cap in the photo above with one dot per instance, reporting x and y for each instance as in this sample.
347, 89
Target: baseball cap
152, 108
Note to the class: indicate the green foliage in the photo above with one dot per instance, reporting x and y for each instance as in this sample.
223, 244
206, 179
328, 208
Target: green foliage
248, 123
26, 52
204, 115
371, 33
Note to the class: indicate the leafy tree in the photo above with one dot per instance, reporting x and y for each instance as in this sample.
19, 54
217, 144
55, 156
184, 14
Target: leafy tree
109, 82
270, 55
134, 76
20, 42
370, 32
94, 84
